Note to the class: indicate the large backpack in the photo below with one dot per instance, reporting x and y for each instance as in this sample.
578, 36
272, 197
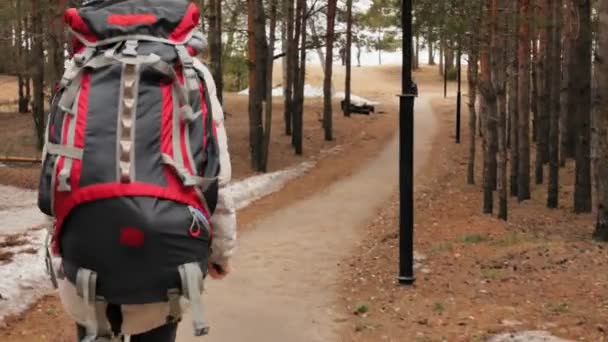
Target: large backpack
131, 160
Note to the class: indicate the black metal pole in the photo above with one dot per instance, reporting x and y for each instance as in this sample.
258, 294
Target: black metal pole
458, 96
406, 153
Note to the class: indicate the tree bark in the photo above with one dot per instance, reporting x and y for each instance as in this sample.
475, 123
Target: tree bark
513, 71
473, 76
215, 45
257, 80
300, 79
291, 66
349, 39
553, 186
38, 84
268, 95
601, 116
582, 98
523, 140
55, 41
544, 93
329, 57
564, 116
499, 65
431, 52
489, 106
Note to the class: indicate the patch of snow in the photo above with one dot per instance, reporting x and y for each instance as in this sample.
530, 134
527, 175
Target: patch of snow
253, 188
18, 211
356, 100
2, 165
527, 336
24, 279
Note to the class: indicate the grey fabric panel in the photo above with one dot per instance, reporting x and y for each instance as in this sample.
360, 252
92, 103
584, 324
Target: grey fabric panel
168, 12
165, 52
99, 158
197, 134
148, 164
132, 275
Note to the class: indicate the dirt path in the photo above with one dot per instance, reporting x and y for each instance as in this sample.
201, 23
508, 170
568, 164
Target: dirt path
286, 271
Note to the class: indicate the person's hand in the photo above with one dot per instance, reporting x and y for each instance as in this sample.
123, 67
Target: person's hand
219, 271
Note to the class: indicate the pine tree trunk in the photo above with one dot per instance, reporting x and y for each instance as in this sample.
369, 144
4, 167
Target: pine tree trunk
534, 83
441, 58
523, 140
553, 187
38, 84
301, 79
349, 39
215, 45
257, 80
268, 95
489, 106
21, 57
601, 116
513, 97
329, 55
499, 65
472, 79
431, 52
582, 100
291, 66
55, 42
564, 117
544, 93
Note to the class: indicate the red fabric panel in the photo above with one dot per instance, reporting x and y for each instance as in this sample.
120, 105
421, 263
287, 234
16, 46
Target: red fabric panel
188, 23
73, 19
132, 237
205, 112
131, 19
83, 107
112, 190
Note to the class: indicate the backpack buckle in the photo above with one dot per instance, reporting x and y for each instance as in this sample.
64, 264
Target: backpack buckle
130, 48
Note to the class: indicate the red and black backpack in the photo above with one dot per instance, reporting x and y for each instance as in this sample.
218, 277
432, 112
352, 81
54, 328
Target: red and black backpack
131, 158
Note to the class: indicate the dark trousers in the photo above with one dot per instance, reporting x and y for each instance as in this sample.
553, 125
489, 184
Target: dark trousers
166, 333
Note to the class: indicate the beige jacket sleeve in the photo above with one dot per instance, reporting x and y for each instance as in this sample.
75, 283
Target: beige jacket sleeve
224, 218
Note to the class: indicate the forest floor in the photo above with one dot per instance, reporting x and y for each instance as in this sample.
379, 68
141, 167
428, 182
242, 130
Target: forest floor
477, 276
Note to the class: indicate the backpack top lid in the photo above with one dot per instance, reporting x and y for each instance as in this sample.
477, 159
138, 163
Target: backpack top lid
172, 20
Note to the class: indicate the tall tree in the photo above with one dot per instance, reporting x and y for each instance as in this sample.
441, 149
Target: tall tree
513, 80
523, 139
544, 93
215, 45
488, 97
601, 117
582, 106
564, 115
257, 79
498, 18
555, 68
473, 76
349, 40
329, 58
37, 41
268, 95
55, 41
292, 43
301, 16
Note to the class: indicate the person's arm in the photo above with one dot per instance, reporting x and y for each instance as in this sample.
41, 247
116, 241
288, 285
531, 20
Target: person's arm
223, 220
